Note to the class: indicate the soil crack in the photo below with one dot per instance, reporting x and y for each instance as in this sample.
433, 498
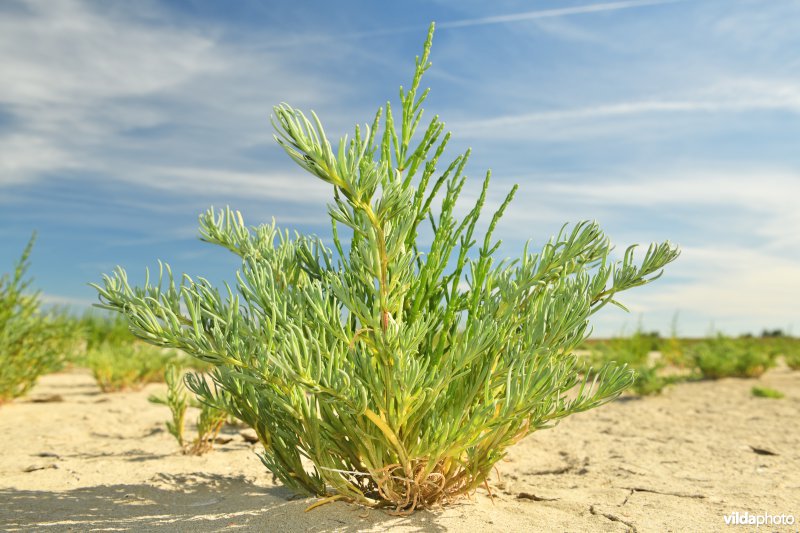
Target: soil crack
613, 518
653, 491
573, 464
534, 497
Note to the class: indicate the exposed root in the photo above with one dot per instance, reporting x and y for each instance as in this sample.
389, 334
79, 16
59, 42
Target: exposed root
394, 487
410, 493
486, 486
325, 501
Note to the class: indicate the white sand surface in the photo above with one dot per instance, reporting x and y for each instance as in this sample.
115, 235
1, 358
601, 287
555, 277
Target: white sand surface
675, 462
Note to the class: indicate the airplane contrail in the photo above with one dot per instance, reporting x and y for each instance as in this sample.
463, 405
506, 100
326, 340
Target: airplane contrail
482, 21
548, 13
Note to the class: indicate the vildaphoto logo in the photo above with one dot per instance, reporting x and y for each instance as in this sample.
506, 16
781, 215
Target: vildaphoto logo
749, 519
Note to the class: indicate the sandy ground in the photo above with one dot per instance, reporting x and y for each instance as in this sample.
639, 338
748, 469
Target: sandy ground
675, 462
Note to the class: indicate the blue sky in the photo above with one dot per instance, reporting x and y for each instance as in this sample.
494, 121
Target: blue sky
120, 122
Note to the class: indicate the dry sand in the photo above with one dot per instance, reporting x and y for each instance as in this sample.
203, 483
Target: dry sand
675, 462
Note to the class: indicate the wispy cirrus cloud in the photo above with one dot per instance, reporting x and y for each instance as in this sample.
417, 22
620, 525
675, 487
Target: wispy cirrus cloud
725, 97
755, 205
26, 155
744, 280
712, 288
90, 87
740, 254
293, 186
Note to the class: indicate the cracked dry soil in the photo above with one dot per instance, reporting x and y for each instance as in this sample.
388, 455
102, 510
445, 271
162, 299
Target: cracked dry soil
74, 459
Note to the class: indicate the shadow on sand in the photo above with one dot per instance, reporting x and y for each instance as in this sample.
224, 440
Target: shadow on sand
190, 503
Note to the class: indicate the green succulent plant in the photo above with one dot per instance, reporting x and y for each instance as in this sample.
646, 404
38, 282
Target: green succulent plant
129, 366
721, 357
32, 342
381, 372
209, 421
633, 351
766, 392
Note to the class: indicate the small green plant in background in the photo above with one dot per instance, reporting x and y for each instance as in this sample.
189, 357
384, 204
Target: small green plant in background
177, 400
388, 374
721, 356
766, 392
118, 360
32, 342
633, 351
209, 422
104, 330
792, 359
789, 349
131, 366
672, 349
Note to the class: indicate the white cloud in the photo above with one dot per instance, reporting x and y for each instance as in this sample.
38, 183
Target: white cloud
760, 203
25, 156
81, 78
761, 25
723, 97
300, 188
76, 53
65, 68
746, 276
713, 288
728, 283
65, 301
